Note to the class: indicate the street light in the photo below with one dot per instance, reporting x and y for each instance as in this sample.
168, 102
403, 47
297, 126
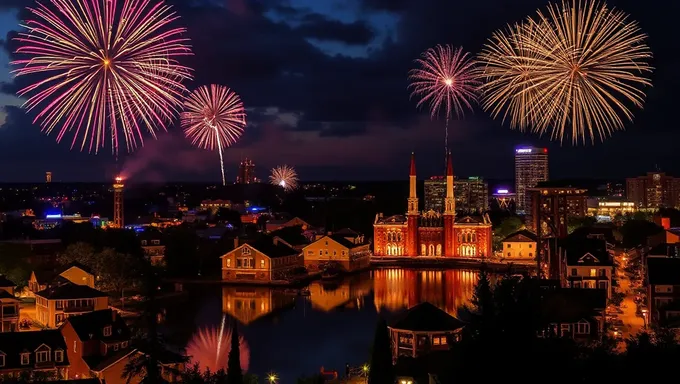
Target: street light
644, 316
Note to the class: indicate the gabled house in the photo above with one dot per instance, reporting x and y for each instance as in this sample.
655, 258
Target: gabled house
520, 245
349, 253
34, 351
9, 306
75, 273
663, 291
53, 305
588, 264
574, 313
265, 259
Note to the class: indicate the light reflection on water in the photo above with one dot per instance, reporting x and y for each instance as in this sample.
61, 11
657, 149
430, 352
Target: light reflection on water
296, 335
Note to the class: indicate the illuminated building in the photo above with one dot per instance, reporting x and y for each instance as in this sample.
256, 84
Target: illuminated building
654, 190
552, 207
504, 199
118, 187
432, 233
48, 177
52, 220
472, 195
435, 192
350, 292
347, 252
606, 210
246, 172
616, 189
265, 260
531, 168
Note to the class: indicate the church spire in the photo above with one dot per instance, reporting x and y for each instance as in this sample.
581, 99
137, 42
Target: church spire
412, 196
449, 201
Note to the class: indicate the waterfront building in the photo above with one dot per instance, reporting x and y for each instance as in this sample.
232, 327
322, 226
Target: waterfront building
531, 168
423, 329
344, 251
520, 245
9, 306
266, 259
350, 293
54, 304
654, 190
431, 233
23, 353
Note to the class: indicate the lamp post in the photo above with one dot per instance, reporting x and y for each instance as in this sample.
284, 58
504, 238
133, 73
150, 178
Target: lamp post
644, 316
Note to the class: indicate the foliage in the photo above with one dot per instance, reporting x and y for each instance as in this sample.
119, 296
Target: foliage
194, 375
507, 227
636, 232
573, 223
381, 369
14, 263
234, 373
316, 379
617, 298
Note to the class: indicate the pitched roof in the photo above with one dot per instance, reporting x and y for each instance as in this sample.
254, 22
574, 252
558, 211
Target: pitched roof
342, 240
74, 264
521, 236
425, 317
347, 232
6, 295
5, 282
291, 235
44, 276
473, 219
90, 326
663, 271
269, 247
588, 252
395, 219
70, 291
572, 304
12, 344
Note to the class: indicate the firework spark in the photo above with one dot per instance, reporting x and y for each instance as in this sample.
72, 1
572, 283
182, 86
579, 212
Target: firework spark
210, 348
284, 176
573, 71
105, 69
445, 81
214, 118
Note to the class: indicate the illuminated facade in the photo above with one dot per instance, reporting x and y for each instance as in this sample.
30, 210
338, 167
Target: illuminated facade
606, 210
531, 168
118, 187
48, 177
431, 233
654, 190
503, 199
551, 208
246, 172
435, 192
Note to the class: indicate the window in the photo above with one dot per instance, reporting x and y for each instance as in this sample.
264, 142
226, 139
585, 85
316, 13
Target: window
143, 242
262, 263
228, 263
344, 253
583, 328
124, 344
24, 359
439, 340
335, 253
74, 346
107, 331
60, 304
310, 252
531, 254
155, 242
509, 254
593, 272
602, 285
663, 288
245, 251
508, 245
115, 347
320, 253
530, 245
59, 356
603, 272
42, 356
574, 272
2, 359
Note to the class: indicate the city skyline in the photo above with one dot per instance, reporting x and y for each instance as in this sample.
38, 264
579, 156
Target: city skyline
360, 52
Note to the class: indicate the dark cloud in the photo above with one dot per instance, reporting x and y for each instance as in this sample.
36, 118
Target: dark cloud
320, 27
385, 5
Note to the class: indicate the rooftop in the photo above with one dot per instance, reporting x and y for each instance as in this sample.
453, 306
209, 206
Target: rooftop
425, 317
588, 252
6, 283
572, 304
271, 247
13, 344
90, 326
70, 291
521, 236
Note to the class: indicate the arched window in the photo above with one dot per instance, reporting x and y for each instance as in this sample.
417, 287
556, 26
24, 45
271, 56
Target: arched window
400, 236
423, 250
439, 249
460, 237
474, 237
430, 250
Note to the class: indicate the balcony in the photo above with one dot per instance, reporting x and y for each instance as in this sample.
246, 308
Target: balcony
83, 308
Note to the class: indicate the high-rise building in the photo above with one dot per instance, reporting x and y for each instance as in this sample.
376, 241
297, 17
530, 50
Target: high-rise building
118, 187
435, 192
48, 177
246, 172
531, 168
654, 190
472, 195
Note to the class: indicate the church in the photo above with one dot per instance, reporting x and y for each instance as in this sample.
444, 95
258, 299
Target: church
432, 234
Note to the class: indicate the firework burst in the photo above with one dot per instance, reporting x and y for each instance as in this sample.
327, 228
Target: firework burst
214, 118
210, 348
574, 71
444, 81
284, 176
104, 69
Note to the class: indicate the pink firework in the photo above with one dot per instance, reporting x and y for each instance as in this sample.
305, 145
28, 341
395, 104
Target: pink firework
214, 117
105, 70
210, 349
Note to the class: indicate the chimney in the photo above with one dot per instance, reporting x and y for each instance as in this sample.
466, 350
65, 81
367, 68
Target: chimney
329, 233
275, 240
236, 242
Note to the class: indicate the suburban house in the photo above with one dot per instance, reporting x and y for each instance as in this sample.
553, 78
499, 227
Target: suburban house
265, 259
575, 313
520, 245
75, 273
663, 291
348, 252
276, 224
423, 329
24, 353
9, 306
588, 264
153, 246
53, 305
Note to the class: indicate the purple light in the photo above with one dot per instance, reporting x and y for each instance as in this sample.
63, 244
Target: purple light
523, 150
502, 192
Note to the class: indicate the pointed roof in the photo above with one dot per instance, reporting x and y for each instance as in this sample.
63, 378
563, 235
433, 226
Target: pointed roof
521, 236
412, 172
449, 165
425, 317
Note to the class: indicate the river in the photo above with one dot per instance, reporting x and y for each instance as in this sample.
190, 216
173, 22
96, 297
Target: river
295, 335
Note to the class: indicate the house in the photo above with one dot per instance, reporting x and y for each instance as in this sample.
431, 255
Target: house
153, 246
74, 272
276, 224
588, 264
53, 305
100, 346
24, 353
423, 329
348, 253
663, 291
520, 245
575, 313
294, 236
263, 260
9, 306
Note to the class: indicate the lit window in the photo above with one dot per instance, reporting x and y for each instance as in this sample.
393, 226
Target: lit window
228, 263
262, 263
593, 272
74, 346
107, 331
24, 359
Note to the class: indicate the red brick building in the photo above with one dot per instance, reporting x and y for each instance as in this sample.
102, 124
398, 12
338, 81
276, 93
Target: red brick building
430, 233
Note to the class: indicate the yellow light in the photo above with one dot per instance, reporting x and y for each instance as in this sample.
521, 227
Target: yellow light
448, 82
272, 378
365, 368
107, 62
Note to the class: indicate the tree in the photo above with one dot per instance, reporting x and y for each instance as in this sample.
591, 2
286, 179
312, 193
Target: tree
14, 263
118, 271
573, 223
81, 253
381, 369
234, 373
506, 228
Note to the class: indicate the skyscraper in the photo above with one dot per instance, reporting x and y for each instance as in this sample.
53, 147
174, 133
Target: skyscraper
531, 168
246, 172
472, 195
654, 190
435, 192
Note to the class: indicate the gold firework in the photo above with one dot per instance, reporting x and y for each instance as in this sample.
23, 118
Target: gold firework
574, 70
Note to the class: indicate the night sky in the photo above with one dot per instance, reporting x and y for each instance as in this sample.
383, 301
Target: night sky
325, 82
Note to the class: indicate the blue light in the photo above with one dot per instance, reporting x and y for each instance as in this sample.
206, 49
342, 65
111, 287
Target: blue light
53, 216
256, 209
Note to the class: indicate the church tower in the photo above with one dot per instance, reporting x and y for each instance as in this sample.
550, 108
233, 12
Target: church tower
412, 214
449, 211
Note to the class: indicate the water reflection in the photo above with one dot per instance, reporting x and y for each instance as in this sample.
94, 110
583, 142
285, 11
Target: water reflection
248, 303
400, 289
350, 293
